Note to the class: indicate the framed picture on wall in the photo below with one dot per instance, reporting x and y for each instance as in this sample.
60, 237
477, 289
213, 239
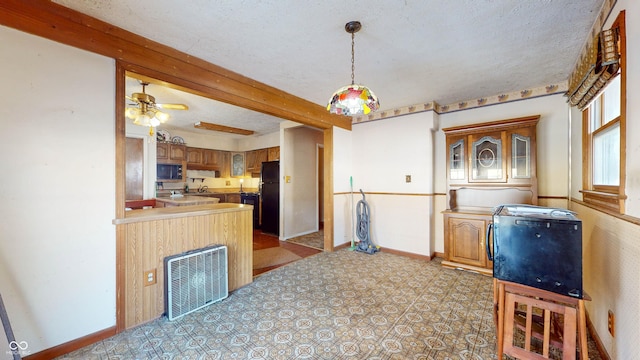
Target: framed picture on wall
237, 164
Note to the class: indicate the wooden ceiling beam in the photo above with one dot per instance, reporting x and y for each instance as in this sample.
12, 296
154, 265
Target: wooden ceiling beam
143, 56
216, 127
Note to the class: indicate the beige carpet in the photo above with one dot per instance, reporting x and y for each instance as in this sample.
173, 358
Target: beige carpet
314, 240
272, 256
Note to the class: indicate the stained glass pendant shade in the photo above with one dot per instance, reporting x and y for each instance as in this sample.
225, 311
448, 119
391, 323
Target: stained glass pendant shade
353, 99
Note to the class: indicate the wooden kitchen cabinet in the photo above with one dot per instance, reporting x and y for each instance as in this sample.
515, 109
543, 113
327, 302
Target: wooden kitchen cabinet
273, 153
170, 153
233, 198
206, 159
254, 160
194, 156
465, 242
225, 164
211, 158
488, 164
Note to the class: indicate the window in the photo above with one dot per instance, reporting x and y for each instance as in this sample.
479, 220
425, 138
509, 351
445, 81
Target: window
604, 139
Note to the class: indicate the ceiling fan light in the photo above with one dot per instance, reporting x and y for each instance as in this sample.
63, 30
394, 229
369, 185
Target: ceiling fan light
142, 120
131, 113
154, 122
161, 116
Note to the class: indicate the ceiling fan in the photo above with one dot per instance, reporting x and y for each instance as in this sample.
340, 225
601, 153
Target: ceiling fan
147, 112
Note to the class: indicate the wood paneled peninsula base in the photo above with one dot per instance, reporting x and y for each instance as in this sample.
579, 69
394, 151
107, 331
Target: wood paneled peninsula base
150, 235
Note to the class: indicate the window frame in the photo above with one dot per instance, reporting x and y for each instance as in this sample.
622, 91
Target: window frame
607, 198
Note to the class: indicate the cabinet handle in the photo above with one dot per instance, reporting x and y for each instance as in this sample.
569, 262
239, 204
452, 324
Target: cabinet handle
487, 239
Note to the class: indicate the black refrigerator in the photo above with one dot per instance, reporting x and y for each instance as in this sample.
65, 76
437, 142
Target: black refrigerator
270, 195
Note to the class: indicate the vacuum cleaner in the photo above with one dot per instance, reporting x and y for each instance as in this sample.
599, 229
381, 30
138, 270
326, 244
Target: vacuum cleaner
362, 228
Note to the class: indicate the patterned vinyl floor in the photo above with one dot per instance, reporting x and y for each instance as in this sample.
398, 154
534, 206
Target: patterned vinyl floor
339, 305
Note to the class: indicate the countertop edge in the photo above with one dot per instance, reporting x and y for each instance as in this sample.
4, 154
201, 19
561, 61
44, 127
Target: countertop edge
134, 216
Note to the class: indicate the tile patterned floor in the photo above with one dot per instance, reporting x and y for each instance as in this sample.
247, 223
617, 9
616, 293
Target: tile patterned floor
339, 305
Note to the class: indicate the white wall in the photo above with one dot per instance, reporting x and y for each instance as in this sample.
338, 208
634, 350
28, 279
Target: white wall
300, 196
343, 224
57, 245
259, 142
384, 152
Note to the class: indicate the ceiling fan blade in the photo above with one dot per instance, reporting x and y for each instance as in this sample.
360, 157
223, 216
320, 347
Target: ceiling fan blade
172, 106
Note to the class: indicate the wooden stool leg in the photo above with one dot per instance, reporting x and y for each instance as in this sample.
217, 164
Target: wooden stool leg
582, 331
500, 319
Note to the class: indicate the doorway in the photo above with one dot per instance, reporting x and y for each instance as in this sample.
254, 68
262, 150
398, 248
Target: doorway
134, 169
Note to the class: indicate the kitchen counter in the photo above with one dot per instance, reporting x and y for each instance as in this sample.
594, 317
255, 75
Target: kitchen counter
222, 191
185, 200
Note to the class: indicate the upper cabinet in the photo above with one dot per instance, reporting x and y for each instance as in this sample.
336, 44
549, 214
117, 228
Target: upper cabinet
254, 160
170, 153
207, 159
220, 160
273, 153
499, 155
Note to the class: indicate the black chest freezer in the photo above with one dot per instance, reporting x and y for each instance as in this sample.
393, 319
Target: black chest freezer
538, 247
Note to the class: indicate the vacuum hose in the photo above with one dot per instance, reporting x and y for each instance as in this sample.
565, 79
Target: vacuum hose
362, 231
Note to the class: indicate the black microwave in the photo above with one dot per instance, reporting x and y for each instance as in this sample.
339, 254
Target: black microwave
169, 172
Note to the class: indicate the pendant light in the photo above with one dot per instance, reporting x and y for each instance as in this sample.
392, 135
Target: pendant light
353, 99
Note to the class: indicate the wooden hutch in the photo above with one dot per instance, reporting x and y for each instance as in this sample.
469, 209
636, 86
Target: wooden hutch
488, 164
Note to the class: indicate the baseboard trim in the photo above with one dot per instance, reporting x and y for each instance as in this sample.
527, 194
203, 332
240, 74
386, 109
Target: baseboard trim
72, 345
407, 254
592, 331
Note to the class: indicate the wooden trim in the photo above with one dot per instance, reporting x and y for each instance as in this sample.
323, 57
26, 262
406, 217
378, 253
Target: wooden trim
120, 198
437, 255
340, 247
594, 335
72, 345
328, 189
627, 218
620, 22
498, 126
143, 56
407, 254
458, 266
390, 193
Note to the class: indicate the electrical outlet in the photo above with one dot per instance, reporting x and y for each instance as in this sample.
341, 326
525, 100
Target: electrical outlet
228, 182
407, 178
611, 323
149, 277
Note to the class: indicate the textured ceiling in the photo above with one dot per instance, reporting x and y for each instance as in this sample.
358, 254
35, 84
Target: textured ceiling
408, 52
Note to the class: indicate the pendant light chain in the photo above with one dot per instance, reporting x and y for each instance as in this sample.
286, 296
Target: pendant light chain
353, 64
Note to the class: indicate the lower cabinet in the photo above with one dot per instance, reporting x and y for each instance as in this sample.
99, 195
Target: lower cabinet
464, 241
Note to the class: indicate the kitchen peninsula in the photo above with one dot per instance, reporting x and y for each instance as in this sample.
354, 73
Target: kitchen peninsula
184, 200
150, 235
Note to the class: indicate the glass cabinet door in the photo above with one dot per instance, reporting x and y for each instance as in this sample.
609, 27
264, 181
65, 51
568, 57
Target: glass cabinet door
520, 156
487, 159
456, 160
